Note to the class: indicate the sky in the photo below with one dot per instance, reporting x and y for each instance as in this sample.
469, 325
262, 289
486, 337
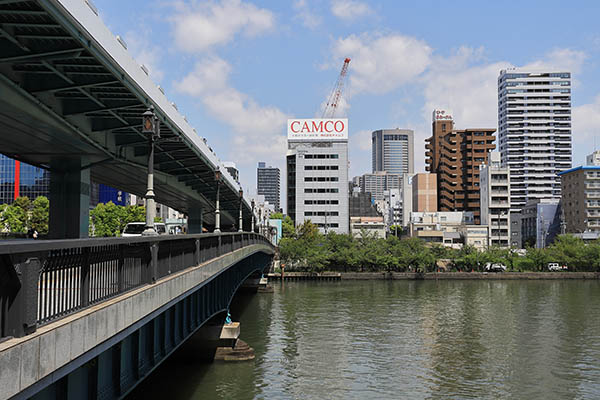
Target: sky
239, 69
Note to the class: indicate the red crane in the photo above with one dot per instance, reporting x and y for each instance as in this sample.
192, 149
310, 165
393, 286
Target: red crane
336, 93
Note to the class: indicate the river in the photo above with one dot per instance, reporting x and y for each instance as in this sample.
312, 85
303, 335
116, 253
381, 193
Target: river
404, 339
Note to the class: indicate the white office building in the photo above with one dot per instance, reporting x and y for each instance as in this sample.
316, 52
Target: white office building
494, 188
317, 173
534, 126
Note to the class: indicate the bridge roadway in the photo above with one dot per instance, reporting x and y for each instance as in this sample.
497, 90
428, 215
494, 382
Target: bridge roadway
91, 318
72, 101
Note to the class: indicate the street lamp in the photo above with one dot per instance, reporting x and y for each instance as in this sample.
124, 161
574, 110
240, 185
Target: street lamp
151, 128
217, 210
240, 227
252, 227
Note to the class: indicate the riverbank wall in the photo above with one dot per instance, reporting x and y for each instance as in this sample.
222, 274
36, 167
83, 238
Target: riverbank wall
363, 276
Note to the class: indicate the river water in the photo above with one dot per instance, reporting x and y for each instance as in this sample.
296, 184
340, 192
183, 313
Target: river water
404, 339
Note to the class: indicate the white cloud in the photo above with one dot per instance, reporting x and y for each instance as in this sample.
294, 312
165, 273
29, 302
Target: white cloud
586, 123
350, 9
199, 27
380, 64
559, 59
145, 54
469, 91
361, 139
259, 130
305, 15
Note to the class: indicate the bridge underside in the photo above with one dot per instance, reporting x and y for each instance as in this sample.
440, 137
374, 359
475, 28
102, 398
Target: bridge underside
67, 106
113, 368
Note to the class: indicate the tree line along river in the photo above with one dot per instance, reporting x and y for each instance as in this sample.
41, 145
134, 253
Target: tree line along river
404, 339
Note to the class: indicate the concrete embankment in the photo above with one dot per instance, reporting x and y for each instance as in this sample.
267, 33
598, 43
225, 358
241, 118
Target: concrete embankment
437, 276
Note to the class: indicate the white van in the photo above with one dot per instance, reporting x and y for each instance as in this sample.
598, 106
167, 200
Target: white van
136, 229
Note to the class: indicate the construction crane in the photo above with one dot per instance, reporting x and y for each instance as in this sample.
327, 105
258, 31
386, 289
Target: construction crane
336, 93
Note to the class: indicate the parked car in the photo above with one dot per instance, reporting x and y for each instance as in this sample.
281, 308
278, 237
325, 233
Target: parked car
136, 229
494, 267
554, 266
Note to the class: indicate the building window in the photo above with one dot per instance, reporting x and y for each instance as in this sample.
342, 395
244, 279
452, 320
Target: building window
321, 190
321, 167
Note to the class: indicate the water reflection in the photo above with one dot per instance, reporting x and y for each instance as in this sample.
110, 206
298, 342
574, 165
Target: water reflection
377, 339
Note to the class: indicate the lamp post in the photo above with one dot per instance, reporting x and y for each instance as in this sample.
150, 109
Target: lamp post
150, 127
252, 227
240, 227
217, 209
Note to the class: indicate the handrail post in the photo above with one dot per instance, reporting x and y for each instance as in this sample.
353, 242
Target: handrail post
21, 318
153, 275
121, 263
197, 255
84, 287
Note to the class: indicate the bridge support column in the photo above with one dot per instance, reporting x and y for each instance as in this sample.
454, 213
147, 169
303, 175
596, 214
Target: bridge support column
69, 199
195, 219
221, 343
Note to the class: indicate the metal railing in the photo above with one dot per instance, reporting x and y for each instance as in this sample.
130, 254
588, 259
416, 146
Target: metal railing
42, 281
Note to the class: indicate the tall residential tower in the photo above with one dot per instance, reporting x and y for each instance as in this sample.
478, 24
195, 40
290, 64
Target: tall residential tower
534, 124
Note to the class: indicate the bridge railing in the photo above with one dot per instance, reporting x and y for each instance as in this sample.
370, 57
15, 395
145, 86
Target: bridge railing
42, 281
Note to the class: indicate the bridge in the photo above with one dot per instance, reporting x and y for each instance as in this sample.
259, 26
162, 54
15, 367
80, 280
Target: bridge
72, 103
92, 317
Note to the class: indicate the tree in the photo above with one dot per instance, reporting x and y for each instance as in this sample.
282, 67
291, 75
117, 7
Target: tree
40, 215
133, 214
15, 217
277, 215
569, 250
106, 220
308, 232
287, 225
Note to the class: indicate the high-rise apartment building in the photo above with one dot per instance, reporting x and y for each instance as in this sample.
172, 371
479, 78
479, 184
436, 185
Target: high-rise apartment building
534, 127
317, 173
455, 156
392, 151
268, 184
495, 200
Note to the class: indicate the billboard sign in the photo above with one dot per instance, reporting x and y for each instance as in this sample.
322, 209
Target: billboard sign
441, 115
318, 129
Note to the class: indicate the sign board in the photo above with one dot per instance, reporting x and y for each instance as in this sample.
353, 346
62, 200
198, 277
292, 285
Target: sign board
318, 129
441, 115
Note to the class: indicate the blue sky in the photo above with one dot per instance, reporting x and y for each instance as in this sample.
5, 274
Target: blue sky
238, 69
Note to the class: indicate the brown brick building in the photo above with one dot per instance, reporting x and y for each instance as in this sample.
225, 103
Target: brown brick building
455, 156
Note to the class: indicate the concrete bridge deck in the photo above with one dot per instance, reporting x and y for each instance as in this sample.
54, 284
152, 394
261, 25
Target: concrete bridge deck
52, 357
